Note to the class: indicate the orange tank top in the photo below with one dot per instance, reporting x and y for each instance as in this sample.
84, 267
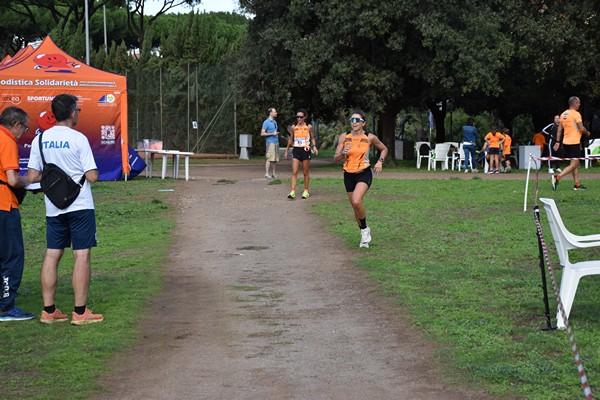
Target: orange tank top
301, 136
357, 158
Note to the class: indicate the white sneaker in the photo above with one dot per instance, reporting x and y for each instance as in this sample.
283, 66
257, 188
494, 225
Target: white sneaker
558, 170
365, 237
550, 171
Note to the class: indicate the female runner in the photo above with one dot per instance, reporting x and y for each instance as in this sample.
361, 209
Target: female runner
358, 175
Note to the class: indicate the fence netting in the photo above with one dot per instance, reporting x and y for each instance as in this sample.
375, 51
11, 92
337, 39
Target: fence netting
188, 108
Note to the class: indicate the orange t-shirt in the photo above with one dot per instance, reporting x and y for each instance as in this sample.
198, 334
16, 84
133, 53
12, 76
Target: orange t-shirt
507, 144
301, 135
9, 159
494, 139
571, 133
357, 158
539, 140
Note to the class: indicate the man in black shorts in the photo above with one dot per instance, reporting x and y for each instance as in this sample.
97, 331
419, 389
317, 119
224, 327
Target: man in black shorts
569, 133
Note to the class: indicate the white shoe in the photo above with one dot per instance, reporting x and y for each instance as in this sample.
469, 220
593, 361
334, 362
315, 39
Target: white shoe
466, 171
365, 237
550, 171
558, 170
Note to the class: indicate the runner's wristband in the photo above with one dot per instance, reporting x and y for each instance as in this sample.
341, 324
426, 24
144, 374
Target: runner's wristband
381, 159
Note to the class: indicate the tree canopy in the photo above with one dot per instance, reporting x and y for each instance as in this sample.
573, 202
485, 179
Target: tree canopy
507, 57
510, 56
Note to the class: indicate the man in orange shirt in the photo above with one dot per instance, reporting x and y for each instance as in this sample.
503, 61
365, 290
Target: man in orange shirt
570, 130
13, 124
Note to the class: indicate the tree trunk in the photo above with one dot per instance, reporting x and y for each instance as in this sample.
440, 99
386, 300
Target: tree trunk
387, 131
438, 119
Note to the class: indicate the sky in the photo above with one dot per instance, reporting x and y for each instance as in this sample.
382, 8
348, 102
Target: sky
152, 6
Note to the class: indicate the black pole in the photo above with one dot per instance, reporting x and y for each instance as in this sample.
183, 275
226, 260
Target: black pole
548, 327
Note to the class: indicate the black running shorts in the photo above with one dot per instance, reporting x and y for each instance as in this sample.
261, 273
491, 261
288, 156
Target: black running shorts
351, 179
300, 154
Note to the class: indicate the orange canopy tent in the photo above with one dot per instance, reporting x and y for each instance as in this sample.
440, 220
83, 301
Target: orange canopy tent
33, 76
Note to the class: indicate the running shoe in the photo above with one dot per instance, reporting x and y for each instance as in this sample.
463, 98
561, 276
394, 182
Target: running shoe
273, 176
365, 237
86, 318
268, 177
16, 314
551, 171
305, 194
292, 195
554, 182
579, 187
56, 316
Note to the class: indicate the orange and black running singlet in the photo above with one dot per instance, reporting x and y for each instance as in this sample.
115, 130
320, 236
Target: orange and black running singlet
301, 136
357, 158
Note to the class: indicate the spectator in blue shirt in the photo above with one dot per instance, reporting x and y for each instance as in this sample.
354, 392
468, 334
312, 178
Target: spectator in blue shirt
270, 132
469, 142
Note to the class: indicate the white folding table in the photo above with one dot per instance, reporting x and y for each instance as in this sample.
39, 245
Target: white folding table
175, 154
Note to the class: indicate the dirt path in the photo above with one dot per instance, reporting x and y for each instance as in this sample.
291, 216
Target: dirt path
260, 303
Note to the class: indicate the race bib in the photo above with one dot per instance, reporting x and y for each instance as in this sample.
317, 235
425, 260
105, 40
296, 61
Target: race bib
299, 142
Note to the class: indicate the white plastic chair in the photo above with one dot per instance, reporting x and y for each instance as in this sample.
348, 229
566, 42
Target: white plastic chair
589, 151
421, 155
572, 273
439, 154
450, 159
458, 158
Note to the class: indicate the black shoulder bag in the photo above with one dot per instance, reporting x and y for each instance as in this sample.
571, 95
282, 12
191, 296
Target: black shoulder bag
57, 185
18, 192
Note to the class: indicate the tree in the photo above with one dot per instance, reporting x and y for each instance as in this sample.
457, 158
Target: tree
382, 58
27, 21
510, 56
138, 22
199, 38
549, 40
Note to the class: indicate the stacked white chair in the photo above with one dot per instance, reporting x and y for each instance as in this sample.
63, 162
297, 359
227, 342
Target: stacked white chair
572, 272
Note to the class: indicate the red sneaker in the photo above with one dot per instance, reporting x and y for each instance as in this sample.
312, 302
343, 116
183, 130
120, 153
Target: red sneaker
86, 318
56, 316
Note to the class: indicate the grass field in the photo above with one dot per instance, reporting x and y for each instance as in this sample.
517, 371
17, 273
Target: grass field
458, 257
60, 361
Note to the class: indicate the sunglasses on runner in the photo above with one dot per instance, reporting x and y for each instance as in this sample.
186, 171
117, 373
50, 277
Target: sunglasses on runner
356, 119
300, 116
